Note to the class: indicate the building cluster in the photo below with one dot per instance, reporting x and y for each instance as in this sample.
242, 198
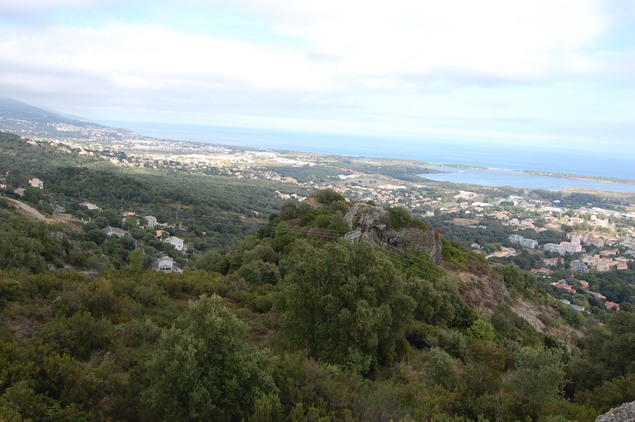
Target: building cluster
586, 239
564, 285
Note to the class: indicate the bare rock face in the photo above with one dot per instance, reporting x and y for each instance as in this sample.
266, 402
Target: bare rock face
624, 413
370, 223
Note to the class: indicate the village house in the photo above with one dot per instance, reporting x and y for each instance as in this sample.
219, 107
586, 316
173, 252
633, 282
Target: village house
601, 223
166, 265
575, 237
552, 262
36, 183
19, 192
586, 239
528, 224
595, 240
570, 247
176, 242
562, 284
465, 195
151, 221
542, 270
598, 263
619, 265
503, 253
609, 252
89, 206
580, 266
598, 295
114, 231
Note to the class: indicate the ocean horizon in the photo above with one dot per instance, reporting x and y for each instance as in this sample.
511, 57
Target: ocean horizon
600, 163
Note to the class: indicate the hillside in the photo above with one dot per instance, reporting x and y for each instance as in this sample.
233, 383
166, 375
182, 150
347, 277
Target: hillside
298, 324
205, 209
24, 119
322, 309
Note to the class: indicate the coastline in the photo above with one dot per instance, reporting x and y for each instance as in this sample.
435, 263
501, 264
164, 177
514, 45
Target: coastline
601, 179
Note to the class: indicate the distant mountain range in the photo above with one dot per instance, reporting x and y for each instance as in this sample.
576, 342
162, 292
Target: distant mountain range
24, 119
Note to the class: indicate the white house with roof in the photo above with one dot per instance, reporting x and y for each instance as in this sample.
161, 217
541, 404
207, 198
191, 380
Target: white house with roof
116, 231
177, 242
151, 221
166, 265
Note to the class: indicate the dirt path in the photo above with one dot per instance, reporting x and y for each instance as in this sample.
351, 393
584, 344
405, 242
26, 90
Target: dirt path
28, 210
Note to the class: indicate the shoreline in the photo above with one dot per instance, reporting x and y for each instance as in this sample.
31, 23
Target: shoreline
600, 179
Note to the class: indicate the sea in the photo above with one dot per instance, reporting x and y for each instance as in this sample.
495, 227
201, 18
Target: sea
498, 158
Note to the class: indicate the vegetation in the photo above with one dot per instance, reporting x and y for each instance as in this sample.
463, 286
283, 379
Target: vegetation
203, 369
293, 324
344, 304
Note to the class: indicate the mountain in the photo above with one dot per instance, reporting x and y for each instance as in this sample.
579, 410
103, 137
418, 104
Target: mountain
27, 120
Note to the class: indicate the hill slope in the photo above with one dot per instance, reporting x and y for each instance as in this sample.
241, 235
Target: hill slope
25, 119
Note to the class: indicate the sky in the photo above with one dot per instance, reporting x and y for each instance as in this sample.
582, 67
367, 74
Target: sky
541, 72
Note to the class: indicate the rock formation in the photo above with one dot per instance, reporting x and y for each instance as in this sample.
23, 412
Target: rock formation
371, 224
624, 413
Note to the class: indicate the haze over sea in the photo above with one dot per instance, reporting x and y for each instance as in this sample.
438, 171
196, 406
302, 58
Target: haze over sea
600, 162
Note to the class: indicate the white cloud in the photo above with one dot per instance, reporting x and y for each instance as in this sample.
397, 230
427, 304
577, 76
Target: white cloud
359, 57
152, 58
489, 39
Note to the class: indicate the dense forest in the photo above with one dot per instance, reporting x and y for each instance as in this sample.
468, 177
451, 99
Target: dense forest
294, 323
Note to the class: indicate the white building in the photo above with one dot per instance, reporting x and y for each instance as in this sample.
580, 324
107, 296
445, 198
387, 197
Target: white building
166, 265
89, 206
109, 231
563, 247
176, 242
523, 241
569, 247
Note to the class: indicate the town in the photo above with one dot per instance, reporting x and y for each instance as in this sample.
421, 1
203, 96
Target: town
557, 242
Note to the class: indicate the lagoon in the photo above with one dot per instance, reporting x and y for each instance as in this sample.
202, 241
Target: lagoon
497, 177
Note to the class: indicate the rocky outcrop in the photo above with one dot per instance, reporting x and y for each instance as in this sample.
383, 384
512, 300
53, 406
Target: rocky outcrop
370, 223
624, 413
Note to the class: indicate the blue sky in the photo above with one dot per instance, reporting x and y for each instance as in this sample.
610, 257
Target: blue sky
541, 72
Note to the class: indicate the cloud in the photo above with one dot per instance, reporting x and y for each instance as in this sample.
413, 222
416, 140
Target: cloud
359, 57
147, 60
489, 39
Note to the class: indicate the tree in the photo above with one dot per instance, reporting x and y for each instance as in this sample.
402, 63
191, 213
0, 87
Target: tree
607, 352
204, 370
344, 304
538, 374
328, 196
482, 329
